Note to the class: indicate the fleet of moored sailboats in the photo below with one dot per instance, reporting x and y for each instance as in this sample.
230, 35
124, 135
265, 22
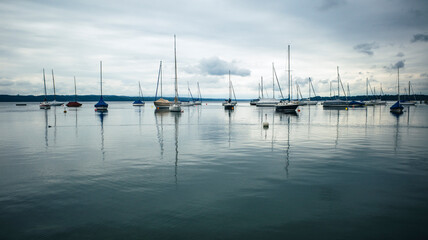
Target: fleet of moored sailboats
286, 105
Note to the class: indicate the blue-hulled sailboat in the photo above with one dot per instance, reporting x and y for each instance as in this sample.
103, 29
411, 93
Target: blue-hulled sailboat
397, 107
139, 102
101, 105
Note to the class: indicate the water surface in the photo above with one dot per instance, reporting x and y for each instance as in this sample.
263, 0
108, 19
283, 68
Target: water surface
207, 173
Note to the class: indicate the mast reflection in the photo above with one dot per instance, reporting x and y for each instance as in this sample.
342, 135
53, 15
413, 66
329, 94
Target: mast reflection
102, 115
46, 128
159, 114
176, 116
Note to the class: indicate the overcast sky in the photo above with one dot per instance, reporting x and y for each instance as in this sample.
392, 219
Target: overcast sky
366, 39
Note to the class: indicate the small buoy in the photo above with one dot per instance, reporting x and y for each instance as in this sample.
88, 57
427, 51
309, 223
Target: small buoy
266, 124
346, 108
298, 110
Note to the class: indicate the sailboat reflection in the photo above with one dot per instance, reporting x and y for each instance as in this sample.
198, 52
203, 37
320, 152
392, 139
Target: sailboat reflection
229, 113
176, 116
102, 115
287, 151
46, 128
160, 113
397, 127
337, 130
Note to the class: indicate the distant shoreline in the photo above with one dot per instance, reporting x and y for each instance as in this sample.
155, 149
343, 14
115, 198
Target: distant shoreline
90, 98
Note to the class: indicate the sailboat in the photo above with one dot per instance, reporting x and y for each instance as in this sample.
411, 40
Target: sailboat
189, 96
75, 103
176, 106
269, 102
199, 100
254, 101
337, 103
101, 105
287, 106
229, 104
54, 102
408, 102
45, 104
161, 103
138, 102
397, 107
309, 101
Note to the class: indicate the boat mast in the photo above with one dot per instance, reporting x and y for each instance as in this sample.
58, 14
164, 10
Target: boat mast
44, 83
338, 79
289, 86
101, 77
175, 62
230, 87
273, 81
309, 87
139, 90
259, 90
75, 90
262, 86
330, 89
199, 91
53, 81
161, 75
398, 83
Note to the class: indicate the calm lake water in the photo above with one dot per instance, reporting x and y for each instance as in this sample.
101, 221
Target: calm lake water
208, 173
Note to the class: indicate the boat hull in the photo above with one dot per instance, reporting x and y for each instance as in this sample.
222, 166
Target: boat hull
74, 104
229, 106
175, 108
162, 104
55, 103
286, 107
408, 103
335, 104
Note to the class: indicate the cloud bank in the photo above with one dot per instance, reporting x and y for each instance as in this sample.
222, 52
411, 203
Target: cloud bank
420, 38
366, 48
218, 67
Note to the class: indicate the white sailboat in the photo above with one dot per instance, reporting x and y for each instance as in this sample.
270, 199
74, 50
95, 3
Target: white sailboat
45, 104
337, 103
229, 104
54, 102
176, 106
287, 106
160, 103
408, 102
309, 101
191, 102
269, 102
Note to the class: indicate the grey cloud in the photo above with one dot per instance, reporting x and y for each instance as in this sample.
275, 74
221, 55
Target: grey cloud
399, 64
420, 38
325, 81
218, 67
328, 4
6, 83
400, 54
366, 48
